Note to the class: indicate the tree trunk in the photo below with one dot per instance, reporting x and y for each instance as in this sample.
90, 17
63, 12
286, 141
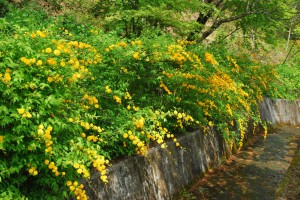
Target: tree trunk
289, 38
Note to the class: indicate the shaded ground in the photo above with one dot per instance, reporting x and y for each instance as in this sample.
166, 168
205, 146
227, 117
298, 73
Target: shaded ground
254, 173
289, 188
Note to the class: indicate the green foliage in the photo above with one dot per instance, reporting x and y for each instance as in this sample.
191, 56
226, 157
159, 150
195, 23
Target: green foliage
288, 86
74, 97
131, 18
3, 8
290, 78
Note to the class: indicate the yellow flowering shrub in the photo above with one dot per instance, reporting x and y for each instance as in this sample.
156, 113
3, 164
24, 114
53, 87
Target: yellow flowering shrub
72, 100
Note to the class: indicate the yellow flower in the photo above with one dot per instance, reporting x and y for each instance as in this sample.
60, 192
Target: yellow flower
32, 60
125, 135
28, 115
39, 63
47, 162
48, 136
104, 178
85, 96
71, 120
86, 174
136, 55
6, 78
48, 50
69, 183
51, 61
35, 173
76, 165
1, 138
95, 100
128, 96
117, 99
31, 170
138, 42
33, 35
139, 124
179, 116
210, 59
41, 34
40, 132
50, 79
56, 52
107, 89
62, 63
49, 128
90, 138
131, 137
21, 111
103, 172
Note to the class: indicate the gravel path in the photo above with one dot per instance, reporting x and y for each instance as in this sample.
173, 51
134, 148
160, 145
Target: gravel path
254, 173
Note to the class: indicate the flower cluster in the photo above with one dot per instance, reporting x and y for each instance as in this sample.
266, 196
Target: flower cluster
24, 113
210, 59
117, 99
53, 168
46, 135
162, 85
6, 78
77, 189
141, 148
38, 33
91, 100
81, 169
99, 162
32, 170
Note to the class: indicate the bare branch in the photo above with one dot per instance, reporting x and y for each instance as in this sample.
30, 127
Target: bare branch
217, 24
289, 52
232, 32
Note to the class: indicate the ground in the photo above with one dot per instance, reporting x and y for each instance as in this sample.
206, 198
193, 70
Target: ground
256, 172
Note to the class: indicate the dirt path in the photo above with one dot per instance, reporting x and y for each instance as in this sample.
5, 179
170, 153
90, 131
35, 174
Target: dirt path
254, 173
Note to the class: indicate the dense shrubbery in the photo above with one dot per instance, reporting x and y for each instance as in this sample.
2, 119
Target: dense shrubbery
74, 97
289, 80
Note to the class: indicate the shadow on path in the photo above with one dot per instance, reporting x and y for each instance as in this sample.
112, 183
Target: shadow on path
253, 173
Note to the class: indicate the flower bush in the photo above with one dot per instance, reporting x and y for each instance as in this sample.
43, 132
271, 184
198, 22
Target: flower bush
73, 99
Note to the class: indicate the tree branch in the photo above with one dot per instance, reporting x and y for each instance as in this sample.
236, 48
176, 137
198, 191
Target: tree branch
289, 52
232, 32
217, 24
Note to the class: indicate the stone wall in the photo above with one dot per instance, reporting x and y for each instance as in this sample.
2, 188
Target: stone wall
164, 172
280, 111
